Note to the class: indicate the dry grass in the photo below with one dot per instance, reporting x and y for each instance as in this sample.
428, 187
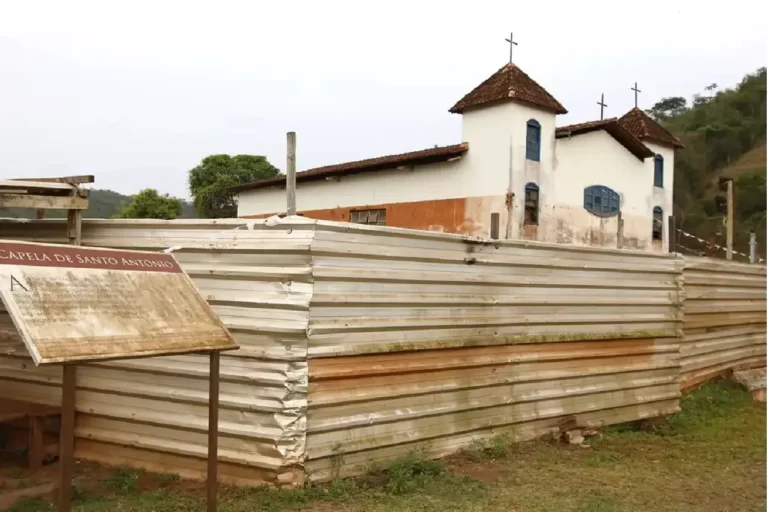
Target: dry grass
710, 457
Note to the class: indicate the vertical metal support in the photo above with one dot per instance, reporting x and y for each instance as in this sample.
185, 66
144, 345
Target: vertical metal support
495, 226
67, 437
752, 247
672, 234
620, 233
729, 221
213, 432
36, 442
290, 174
509, 200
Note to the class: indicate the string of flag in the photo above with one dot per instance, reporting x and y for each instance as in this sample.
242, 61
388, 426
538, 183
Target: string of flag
701, 240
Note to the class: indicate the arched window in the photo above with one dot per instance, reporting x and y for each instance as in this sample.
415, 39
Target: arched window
533, 140
658, 223
531, 204
658, 171
601, 201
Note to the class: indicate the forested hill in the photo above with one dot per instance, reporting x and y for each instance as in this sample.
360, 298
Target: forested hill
102, 204
724, 132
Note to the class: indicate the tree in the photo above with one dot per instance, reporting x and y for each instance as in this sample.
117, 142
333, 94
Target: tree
209, 182
724, 131
149, 204
667, 107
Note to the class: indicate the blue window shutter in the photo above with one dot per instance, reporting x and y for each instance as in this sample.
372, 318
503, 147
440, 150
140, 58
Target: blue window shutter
658, 171
601, 201
533, 140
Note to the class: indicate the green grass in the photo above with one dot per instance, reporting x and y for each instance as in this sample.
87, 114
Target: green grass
711, 456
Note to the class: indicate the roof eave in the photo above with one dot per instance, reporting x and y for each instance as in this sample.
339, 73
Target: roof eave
457, 109
280, 181
618, 133
677, 144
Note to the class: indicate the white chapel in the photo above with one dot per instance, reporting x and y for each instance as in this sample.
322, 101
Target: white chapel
602, 183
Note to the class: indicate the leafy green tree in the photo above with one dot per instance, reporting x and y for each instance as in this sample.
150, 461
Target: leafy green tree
149, 204
209, 182
667, 107
723, 131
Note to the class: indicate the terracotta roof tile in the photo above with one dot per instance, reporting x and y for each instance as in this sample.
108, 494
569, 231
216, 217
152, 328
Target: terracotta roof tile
509, 83
644, 127
422, 157
614, 128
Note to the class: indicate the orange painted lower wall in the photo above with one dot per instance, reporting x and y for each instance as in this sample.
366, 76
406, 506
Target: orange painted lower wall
467, 216
472, 216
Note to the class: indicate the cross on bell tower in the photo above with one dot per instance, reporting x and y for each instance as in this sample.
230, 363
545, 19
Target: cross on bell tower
602, 105
636, 92
512, 44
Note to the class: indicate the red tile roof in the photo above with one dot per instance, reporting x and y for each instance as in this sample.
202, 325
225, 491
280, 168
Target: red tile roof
423, 157
644, 128
614, 129
509, 83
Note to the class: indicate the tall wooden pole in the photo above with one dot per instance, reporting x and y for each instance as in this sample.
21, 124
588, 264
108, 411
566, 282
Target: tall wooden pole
68, 392
671, 234
67, 437
290, 172
212, 482
729, 222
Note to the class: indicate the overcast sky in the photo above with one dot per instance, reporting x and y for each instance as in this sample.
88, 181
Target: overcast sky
138, 92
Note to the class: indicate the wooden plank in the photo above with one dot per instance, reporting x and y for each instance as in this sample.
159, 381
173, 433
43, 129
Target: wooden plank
43, 202
72, 180
74, 226
41, 185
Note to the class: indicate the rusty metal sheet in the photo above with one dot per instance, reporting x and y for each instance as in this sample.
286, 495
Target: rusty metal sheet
86, 304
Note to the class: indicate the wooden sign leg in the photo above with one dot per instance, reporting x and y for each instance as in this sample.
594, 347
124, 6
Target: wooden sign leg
213, 432
67, 437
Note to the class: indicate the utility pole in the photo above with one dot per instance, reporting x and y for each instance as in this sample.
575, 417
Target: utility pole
729, 221
290, 174
726, 184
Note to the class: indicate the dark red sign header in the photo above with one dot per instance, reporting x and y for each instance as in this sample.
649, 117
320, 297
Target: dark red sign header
14, 253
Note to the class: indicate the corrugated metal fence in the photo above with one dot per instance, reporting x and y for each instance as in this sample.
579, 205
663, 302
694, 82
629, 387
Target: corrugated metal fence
361, 344
424, 342
152, 413
724, 325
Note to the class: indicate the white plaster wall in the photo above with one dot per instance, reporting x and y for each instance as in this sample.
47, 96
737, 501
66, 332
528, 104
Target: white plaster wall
493, 133
499, 134
663, 196
437, 181
596, 158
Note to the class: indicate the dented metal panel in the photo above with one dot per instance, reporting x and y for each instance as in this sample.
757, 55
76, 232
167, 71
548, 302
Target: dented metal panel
152, 413
725, 319
426, 342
